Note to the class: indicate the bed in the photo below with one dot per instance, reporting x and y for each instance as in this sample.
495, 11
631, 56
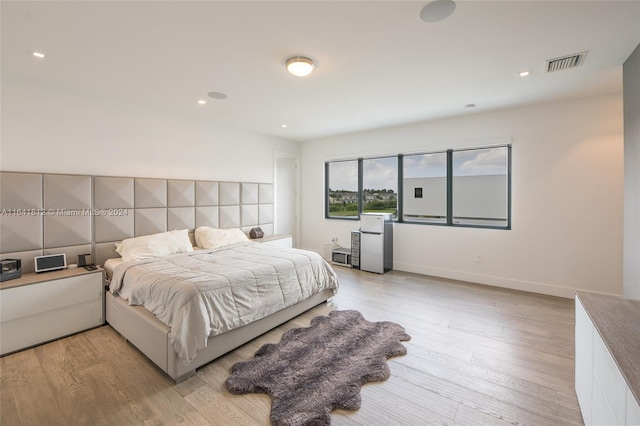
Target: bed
185, 308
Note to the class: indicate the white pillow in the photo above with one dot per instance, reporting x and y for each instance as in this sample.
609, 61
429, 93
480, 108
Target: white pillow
207, 237
154, 245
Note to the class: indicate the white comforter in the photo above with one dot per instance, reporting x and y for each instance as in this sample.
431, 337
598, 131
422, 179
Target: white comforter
207, 292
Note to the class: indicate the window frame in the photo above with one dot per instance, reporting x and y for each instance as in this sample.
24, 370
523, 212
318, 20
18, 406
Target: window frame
361, 181
327, 205
400, 196
448, 196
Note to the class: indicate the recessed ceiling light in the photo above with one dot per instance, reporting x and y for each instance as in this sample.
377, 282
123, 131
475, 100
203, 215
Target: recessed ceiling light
202, 101
300, 66
38, 55
437, 10
284, 126
525, 73
469, 106
217, 95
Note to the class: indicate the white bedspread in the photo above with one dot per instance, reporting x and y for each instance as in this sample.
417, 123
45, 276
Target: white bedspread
208, 292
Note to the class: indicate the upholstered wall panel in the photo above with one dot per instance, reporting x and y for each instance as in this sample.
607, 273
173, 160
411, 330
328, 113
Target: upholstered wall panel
265, 214
150, 193
114, 227
229, 193
267, 229
249, 215
265, 193
249, 193
207, 216
22, 212
20, 190
180, 193
62, 231
181, 218
206, 193
67, 192
229, 217
113, 192
20, 233
150, 221
79, 214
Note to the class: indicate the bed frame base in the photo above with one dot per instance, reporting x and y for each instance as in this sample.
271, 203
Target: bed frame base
151, 337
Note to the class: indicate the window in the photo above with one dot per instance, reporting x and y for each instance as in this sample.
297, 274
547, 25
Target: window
465, 187
480, 186
342, 189
426, 175
380, 185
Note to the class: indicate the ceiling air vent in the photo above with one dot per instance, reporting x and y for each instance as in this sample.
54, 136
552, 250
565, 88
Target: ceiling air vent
565, 62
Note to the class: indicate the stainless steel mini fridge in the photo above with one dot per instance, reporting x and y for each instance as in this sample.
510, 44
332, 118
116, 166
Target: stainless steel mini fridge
376, 242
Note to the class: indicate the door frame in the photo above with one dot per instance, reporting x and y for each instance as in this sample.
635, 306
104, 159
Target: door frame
296, 198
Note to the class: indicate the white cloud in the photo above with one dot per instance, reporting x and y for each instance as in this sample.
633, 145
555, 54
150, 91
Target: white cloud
427, 165
344, 175
486, 162
380, 173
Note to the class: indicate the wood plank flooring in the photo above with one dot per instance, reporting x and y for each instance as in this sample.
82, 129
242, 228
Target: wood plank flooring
479, 355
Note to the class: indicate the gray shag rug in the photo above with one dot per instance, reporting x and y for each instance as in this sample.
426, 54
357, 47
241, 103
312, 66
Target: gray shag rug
318, 369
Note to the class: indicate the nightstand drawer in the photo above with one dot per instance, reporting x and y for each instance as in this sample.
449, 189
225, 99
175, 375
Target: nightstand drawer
39, 328
19, 302
285, 241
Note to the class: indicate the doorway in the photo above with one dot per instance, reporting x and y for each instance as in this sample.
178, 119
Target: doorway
286, 195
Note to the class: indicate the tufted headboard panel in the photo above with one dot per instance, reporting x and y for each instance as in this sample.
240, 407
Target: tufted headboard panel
77, 214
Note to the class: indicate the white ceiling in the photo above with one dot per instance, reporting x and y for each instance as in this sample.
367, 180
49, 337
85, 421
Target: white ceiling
378, 64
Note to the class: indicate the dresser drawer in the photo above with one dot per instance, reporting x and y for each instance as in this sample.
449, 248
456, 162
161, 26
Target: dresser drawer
29, 300
31, 330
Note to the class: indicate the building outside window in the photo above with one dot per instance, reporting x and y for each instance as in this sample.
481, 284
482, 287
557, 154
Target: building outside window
481, 186
425, 174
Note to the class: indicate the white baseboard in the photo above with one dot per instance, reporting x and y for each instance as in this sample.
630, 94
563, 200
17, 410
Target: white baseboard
510, 283
530, 286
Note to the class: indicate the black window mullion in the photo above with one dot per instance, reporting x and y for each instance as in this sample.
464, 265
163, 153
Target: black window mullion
400, 198
360, 188
508, 186
326, 190
449, 187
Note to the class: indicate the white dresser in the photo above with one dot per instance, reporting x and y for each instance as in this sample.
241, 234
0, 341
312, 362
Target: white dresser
607, 350
37, 308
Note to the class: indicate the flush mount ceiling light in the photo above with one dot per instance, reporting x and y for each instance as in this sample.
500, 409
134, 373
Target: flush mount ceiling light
300, 66
437, 10
525, 73
38, 55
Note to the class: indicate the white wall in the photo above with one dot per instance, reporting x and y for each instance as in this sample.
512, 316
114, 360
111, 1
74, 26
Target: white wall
632, 175
567, 201
47, 128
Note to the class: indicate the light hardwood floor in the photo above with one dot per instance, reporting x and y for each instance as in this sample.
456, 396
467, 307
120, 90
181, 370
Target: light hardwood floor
478, 356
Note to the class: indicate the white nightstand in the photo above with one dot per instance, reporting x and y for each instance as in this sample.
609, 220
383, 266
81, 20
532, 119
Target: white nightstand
37, 308
279, 240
